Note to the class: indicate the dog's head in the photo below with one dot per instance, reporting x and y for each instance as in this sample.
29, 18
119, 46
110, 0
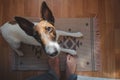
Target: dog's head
44, 32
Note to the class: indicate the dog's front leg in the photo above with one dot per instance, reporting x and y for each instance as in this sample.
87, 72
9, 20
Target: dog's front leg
15, 46
19, 52
69, 51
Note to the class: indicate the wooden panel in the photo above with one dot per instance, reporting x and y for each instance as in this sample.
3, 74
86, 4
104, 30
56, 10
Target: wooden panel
107, 12
0, 11
32, 8
117, 41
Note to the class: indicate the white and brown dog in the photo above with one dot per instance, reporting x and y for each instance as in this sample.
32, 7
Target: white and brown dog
40, 34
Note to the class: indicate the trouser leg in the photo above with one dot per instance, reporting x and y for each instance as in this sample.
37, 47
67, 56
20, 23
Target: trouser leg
51, 75
73, 77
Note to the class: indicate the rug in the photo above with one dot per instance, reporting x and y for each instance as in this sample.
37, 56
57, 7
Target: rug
87, 47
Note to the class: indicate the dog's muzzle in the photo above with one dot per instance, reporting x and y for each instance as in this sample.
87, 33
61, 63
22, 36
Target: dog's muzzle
52, 49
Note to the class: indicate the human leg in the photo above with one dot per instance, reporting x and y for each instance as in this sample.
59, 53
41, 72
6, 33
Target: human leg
52, 74
70, 68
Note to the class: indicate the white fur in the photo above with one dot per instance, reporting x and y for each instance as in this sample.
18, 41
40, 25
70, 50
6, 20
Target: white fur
14, 35
51, 46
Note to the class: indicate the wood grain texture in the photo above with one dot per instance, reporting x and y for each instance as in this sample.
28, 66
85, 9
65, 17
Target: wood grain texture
107, 12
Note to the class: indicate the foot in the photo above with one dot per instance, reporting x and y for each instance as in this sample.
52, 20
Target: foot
69, 51
54, 65
72, 52
70, 65
78, 34
19, 53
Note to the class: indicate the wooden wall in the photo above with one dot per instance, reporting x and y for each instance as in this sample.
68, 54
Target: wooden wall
107, 12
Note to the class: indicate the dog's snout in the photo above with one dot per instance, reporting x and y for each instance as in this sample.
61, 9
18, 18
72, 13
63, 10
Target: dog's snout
54, 54
52, 49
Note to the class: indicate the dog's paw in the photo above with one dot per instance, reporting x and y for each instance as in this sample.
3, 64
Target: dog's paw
20, 53
78, 34
72, 52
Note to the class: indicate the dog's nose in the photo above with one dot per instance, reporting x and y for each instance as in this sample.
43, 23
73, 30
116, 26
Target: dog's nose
54, 54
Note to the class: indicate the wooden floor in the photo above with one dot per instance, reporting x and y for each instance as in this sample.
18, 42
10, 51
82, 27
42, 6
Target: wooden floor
106, 11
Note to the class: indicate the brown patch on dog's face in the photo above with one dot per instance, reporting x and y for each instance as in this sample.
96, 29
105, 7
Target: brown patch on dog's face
46, 31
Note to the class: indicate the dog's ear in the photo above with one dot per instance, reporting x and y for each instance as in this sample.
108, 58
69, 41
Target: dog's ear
26, 25
46, 13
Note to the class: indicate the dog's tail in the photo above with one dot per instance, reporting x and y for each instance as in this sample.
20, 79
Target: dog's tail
0, 30
1, 26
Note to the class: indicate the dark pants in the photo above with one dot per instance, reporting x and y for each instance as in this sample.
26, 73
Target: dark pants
51, 76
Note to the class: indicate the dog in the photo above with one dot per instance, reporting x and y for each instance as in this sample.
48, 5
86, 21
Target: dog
41, 33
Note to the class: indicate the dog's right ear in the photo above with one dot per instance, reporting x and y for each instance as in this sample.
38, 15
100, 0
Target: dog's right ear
26, 25
47, 13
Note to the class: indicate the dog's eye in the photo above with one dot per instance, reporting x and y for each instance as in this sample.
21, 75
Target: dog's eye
49, 29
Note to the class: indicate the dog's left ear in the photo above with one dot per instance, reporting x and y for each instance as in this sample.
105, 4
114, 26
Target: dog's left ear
46, 13
26, 25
